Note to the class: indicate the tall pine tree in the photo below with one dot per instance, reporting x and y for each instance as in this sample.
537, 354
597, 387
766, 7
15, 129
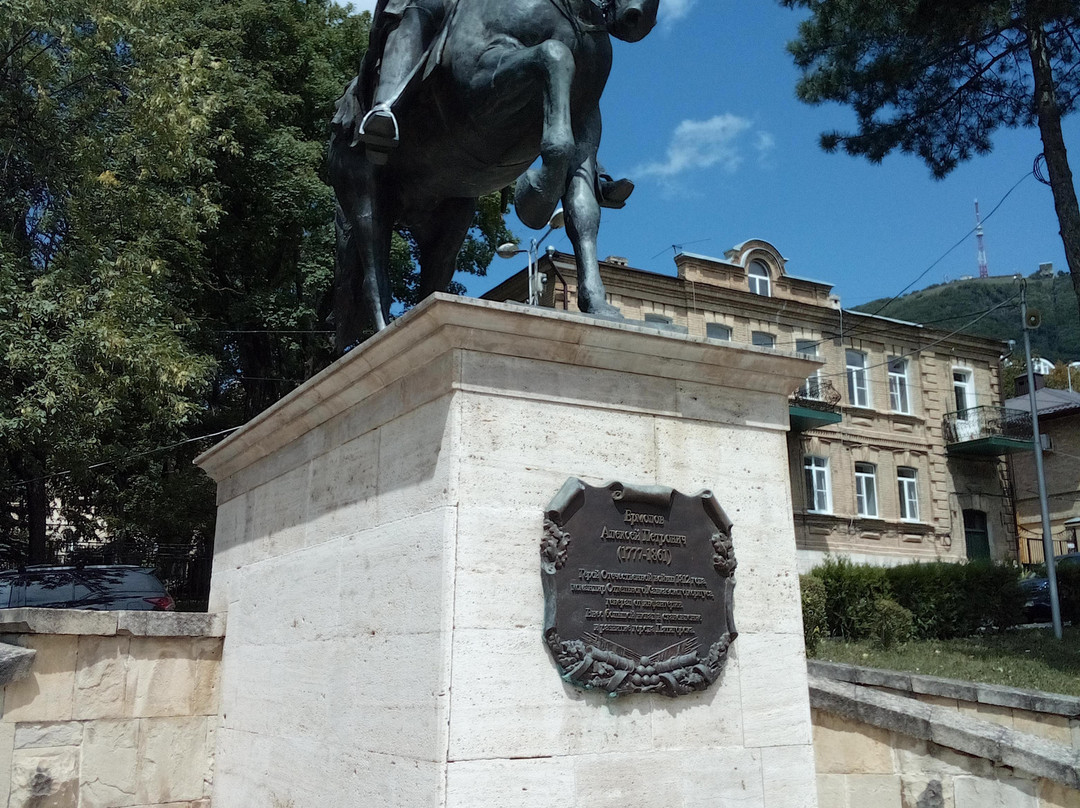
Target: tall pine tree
936, 78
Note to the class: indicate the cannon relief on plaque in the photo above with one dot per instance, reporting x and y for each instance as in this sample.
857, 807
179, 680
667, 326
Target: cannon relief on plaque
638, 587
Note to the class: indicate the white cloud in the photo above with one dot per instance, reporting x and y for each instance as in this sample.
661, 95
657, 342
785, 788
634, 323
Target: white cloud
671, 11
705, 144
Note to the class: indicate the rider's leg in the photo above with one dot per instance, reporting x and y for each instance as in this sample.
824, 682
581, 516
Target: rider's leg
404, 47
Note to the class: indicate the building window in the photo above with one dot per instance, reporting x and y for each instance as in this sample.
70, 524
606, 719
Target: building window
759, 279
908, 484
812, 386
717, 331
963, 390
857, 384
818, 490
657, 318
899, 398
866, 489
762, 339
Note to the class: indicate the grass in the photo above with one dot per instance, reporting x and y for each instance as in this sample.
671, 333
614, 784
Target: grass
1027, 658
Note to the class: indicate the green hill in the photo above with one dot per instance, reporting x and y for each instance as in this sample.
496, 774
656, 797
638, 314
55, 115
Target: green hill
951, 306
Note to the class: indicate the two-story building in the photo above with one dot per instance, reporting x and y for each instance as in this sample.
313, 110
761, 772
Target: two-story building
1059, 423
878, 472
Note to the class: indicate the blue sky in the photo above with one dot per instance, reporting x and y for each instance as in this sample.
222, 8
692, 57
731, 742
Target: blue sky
702, 115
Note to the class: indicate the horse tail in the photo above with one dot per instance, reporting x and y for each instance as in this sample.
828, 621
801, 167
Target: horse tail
348, 283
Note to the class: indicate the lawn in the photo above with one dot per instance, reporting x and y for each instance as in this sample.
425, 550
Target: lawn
1028, 658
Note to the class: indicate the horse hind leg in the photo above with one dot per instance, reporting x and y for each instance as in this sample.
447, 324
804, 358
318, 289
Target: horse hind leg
583, 221
440, 240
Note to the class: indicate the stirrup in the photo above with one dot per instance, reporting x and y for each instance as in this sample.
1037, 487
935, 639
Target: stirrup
379, 129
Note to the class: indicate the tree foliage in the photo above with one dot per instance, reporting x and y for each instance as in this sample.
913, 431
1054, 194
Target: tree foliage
105, 191
166, 251
937, 78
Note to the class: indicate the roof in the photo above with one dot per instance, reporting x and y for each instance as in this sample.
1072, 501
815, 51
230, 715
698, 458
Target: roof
1048, 401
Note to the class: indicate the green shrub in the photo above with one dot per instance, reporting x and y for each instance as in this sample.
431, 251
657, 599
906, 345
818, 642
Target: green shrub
850, 593
993, 596
1068, 579
944, 600
956, 600
890, 624
815, 626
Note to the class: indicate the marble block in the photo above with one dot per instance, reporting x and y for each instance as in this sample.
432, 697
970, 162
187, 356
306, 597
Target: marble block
377, 554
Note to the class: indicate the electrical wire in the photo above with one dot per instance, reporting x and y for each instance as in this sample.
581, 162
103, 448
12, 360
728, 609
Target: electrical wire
933, 344
132, 456
942, 257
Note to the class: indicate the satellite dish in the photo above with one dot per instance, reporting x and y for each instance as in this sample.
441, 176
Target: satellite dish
1034, 319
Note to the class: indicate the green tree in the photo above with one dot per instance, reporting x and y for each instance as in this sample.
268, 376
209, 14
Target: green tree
937, 78
104, 191
166, 252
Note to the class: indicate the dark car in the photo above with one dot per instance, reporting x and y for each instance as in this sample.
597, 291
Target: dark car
1037, 590
107, 587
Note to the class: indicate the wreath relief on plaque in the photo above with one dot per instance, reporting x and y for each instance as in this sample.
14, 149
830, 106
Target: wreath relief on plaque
638, 586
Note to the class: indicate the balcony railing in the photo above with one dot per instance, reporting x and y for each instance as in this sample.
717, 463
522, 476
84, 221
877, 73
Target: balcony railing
817, 394
994, 428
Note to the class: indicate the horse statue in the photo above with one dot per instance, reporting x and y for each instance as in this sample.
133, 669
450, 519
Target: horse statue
500, 83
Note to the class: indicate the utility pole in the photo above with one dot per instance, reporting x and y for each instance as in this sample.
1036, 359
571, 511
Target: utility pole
1048, 541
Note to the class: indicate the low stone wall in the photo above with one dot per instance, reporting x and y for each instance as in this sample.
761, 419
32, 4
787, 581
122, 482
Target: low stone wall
108, 709
891, 740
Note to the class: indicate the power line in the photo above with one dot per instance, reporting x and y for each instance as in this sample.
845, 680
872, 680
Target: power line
942, 257
124, 458
933, 344
268, 331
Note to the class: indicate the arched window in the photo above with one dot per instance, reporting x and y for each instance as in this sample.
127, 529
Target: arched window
759, 279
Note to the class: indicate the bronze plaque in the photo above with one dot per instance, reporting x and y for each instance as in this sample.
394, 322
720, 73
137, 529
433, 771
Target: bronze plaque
638, 584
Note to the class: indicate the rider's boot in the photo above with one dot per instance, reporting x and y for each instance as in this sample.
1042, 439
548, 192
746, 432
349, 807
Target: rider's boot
402, 52
611, 192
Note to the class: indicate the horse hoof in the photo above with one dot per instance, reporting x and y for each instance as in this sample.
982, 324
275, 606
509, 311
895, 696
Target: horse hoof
603, 309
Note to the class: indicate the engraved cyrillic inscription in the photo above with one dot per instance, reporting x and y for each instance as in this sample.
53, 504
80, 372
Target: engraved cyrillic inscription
641, 601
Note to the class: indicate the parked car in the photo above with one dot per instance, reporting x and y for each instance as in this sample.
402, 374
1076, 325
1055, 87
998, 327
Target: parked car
1037, 590
106, 587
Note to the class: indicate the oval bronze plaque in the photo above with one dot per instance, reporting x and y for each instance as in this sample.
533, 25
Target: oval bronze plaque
638, 585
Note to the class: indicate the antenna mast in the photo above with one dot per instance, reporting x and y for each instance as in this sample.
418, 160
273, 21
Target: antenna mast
984, 270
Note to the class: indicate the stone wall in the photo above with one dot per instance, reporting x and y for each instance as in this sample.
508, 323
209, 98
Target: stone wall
115, 709
882, 740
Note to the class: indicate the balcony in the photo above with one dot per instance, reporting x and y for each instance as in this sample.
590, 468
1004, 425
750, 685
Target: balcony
815, 404
987, 431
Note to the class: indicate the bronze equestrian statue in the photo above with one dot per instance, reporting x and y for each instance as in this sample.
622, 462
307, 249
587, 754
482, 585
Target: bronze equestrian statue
456, 99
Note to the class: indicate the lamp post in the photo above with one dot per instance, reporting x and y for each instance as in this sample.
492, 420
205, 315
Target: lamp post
510, 249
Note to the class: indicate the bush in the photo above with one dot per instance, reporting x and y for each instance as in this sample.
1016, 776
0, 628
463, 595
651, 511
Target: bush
956, 600
815, 626
1068, 578
850, 593
890, 624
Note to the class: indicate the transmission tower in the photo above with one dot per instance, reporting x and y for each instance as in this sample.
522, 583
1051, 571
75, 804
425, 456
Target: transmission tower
984, 270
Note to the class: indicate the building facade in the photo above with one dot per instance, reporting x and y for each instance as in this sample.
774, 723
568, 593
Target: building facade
1059, 422
878, 471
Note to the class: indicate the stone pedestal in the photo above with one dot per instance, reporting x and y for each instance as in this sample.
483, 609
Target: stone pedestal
377, 554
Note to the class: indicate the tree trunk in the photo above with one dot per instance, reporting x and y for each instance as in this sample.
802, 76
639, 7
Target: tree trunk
37, 501
1057, 161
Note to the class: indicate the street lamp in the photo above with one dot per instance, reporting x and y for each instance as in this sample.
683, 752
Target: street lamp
536, 280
